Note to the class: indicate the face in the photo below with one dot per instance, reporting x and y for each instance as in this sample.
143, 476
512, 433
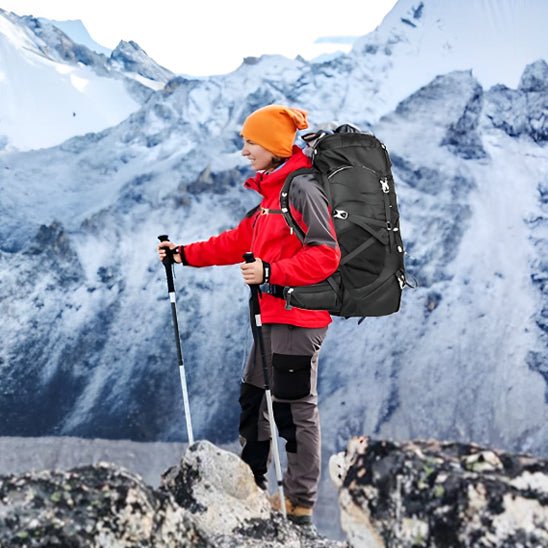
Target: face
258, 156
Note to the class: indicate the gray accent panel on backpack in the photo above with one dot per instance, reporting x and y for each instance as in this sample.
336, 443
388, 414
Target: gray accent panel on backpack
309, 198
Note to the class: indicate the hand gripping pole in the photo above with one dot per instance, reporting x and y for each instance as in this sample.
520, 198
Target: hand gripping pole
168, 265
256, 324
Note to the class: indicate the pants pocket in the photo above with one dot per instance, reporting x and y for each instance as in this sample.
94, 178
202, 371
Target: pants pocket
291, 376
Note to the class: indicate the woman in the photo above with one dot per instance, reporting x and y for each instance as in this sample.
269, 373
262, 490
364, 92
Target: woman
292, 337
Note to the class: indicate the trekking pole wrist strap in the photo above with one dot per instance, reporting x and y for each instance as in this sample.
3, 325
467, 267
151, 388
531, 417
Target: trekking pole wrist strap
266, 272
180, 250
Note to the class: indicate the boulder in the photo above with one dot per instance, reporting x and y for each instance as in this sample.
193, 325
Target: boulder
440, 494
206, 472
100, 506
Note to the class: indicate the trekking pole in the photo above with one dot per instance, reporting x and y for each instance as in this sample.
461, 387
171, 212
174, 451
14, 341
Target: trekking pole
256, 320
168, 264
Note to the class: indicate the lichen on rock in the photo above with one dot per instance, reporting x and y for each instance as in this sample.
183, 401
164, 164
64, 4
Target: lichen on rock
440, 494
209, 500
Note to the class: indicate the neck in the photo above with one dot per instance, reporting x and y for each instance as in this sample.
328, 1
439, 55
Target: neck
275, 164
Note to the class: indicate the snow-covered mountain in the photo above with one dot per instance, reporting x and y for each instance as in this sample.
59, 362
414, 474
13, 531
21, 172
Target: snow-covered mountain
52, 88
419, 40
84, 318
78, 33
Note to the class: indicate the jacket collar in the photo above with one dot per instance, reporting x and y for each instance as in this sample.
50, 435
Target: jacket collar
265, 183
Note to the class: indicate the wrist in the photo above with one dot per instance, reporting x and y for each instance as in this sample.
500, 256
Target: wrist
180, 250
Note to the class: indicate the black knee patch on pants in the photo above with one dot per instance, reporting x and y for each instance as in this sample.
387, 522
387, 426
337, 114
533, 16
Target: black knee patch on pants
254, 452
255, 455
286, 426
250, 403
291, 376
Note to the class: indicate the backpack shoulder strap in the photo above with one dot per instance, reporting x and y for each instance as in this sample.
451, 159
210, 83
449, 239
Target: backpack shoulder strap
284, 201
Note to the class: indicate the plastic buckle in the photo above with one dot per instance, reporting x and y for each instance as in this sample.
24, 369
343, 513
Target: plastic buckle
340, 214
288, 292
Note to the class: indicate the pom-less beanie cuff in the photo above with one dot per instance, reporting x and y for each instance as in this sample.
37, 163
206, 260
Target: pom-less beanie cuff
274, 128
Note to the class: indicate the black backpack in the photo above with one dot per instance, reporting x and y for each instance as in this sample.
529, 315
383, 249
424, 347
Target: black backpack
354, 170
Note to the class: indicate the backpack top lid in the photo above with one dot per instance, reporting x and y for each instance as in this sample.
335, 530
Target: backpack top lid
347, 145
312, 138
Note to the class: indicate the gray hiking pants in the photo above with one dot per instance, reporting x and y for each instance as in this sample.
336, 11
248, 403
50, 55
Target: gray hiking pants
292, 360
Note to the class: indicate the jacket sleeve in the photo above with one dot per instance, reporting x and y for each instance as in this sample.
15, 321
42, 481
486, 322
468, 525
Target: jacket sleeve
224, 249
320, 255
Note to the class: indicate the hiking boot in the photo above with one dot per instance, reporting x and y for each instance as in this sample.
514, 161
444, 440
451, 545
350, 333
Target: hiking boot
301, 515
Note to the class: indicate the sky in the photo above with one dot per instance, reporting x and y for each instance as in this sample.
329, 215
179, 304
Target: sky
206, 37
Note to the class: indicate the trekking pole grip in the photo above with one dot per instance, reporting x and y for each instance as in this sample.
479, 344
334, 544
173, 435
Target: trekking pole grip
250, 258
168, 262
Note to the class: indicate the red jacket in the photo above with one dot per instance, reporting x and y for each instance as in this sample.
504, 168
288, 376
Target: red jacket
267, 235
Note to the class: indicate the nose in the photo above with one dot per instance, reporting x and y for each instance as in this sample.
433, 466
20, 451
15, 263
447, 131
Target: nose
245, 152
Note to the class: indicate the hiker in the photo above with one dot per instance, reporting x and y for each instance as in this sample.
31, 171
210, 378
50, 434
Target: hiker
292, 337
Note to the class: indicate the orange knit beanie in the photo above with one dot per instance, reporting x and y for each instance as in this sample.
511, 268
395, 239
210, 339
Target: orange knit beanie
274, 128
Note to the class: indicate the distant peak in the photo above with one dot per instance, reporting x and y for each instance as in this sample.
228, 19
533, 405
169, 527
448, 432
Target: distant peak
130, 56
535, 77
127, 47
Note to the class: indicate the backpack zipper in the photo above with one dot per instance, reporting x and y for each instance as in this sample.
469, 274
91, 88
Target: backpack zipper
339, 169
370, 169
342, 168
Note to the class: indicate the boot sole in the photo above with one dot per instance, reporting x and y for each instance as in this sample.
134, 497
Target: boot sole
300, 520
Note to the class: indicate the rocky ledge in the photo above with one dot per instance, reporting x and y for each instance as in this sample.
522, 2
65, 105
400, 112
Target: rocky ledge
440, 494
413, 494
209, 500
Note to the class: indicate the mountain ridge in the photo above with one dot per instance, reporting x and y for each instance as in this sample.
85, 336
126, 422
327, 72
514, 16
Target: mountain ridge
80, 90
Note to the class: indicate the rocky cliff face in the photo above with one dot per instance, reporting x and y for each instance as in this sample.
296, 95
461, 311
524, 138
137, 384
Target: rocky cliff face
440, 495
